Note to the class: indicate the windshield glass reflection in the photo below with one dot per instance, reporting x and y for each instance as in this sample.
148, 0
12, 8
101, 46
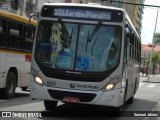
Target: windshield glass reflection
79, 47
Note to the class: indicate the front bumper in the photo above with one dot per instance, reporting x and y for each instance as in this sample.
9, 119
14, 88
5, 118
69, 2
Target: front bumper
112, 98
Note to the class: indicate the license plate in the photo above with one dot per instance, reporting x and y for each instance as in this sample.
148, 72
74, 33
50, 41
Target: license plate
71, 99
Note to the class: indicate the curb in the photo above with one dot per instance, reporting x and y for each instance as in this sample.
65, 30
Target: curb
153, 79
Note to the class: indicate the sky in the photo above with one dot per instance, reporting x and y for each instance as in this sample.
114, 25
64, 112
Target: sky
149, 20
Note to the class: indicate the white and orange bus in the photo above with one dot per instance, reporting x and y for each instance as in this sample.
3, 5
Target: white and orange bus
85, 53
16, 40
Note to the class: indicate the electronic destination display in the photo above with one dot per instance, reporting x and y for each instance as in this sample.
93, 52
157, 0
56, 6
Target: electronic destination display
82, 13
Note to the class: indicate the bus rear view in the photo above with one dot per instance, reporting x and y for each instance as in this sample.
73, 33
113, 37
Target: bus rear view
78, 55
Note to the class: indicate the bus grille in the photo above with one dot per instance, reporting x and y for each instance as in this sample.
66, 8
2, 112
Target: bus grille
83, 97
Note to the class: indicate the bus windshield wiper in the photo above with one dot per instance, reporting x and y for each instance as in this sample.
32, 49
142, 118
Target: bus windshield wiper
93, 33
68, 35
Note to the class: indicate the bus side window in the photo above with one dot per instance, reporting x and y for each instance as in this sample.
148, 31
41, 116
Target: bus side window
130, 44
28, 38
33, 35
1, 27
15, 40
125, 46
3, 33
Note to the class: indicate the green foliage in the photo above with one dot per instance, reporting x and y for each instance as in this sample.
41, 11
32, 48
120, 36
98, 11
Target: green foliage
155, 61
155, 58
158, 38
147, 60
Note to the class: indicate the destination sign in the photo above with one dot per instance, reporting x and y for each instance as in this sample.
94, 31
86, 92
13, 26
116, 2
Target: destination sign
78, 13
82, 13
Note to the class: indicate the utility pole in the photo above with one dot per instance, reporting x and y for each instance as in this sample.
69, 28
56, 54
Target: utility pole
150, 61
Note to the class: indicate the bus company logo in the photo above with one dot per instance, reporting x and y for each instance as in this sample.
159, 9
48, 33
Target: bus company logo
87, 86
72, 85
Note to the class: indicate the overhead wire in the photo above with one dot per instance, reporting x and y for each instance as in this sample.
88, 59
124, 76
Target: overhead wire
130, 3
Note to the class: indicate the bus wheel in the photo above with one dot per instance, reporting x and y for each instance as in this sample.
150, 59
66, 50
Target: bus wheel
135, 86
10, 88
118, 111
24, 88
130, 100
50, 105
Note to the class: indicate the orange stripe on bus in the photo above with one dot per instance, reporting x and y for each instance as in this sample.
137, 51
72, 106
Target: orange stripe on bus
15, 52
17, 17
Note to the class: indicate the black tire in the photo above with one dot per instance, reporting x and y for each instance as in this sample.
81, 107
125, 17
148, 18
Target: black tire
119, 111
9, 90
24, 88
125, 91
135, 86
130, 100
50, 105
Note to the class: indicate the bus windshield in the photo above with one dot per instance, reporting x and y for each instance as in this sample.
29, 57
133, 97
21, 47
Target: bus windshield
78, 46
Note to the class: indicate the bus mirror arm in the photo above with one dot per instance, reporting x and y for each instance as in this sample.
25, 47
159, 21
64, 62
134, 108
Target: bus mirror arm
33, 15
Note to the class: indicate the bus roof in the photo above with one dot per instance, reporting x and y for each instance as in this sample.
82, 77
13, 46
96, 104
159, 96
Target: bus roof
94, 5
130, 22
16, 17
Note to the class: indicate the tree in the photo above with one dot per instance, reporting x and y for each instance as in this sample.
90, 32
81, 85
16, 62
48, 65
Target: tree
147, 60
158, 38
155, 60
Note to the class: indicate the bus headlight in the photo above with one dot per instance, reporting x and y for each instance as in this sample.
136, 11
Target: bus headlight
112, 84
36, 77
38, 80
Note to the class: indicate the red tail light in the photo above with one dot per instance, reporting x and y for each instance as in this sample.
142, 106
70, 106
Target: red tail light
28, 58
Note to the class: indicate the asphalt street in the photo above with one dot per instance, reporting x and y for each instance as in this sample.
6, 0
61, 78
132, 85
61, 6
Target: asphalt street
147, 98
155, 79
